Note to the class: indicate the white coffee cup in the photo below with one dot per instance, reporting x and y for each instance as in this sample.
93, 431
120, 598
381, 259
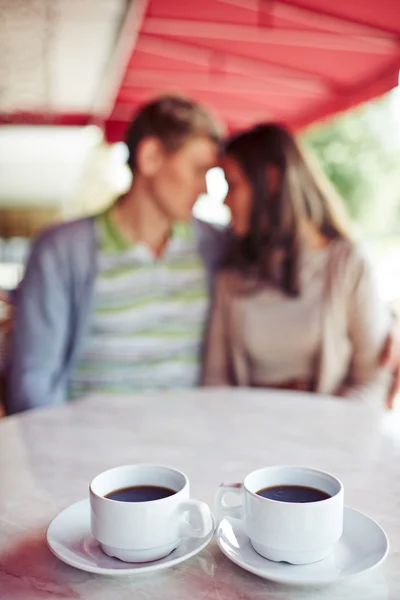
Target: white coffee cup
150, 530
298, 533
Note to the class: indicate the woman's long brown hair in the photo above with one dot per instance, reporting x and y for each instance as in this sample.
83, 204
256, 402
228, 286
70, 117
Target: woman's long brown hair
303, 195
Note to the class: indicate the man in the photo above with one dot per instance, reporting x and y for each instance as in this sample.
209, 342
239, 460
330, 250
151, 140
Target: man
117, 302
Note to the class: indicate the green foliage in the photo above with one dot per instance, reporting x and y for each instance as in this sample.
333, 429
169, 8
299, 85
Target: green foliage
360, 153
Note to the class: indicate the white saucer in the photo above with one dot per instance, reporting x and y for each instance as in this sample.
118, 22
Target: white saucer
362, 547
70, 539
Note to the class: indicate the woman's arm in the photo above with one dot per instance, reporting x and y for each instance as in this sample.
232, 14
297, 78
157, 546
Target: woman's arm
390, 358
216, 367
369, 323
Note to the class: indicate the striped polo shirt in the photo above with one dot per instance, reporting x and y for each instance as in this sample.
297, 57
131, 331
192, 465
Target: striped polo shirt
148, 316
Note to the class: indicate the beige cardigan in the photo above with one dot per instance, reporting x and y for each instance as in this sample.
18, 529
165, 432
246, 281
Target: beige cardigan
354, 326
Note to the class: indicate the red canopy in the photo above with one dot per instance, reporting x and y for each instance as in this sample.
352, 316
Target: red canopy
295, 61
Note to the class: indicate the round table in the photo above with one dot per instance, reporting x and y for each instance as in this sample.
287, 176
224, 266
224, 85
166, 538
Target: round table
48, 457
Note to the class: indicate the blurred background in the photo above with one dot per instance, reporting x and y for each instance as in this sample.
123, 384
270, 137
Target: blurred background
72, 73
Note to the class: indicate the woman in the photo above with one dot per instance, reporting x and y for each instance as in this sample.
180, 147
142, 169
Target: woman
295, 306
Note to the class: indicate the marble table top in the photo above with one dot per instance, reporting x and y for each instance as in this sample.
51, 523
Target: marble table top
48, 457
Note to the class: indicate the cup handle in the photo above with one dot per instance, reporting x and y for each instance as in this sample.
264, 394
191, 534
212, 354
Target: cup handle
199, 512
222, 509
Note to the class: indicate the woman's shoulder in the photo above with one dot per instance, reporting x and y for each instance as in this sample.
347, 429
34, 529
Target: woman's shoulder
349, 251
351, 261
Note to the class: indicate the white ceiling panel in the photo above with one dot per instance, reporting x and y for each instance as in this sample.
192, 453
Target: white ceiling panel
53, 53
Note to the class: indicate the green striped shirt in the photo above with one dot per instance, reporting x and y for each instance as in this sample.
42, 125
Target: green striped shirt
148, 316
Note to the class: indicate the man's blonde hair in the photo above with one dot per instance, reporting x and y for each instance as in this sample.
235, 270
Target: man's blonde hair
173, 120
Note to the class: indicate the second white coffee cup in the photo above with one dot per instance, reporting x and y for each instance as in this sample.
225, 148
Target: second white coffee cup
145, 531
294, 532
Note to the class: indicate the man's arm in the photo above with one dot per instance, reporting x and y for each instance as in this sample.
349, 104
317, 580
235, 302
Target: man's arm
41, 330
212, 242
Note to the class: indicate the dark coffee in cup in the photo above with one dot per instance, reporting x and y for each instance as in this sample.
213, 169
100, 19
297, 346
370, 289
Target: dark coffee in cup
140, 493
141, 513
289, 513
293, 493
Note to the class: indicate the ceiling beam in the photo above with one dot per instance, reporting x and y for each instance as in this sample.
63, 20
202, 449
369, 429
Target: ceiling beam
123, 114
322, 21
212, 82
219, 62
218, 101
43, 117
120, 59
350, 20
267, 36
215, 100
310, 19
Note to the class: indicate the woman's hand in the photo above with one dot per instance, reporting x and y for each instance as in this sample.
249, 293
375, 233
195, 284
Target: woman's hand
390, 358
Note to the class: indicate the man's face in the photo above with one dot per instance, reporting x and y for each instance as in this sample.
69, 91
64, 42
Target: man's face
180, 177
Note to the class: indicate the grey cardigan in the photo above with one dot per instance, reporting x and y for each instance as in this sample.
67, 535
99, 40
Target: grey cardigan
354, 326
53, 307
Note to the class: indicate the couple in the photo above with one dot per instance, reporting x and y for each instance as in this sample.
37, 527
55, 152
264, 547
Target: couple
119, 302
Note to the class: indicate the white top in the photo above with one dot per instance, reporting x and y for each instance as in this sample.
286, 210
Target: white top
48, 457
282, 334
